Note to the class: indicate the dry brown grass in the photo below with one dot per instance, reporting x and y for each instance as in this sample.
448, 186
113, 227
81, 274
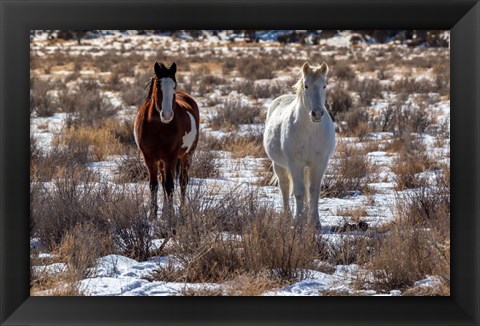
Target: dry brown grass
367, 90
401, 118
352, 172
131, 168
204, 165
201, 292
244, 146
412, 159
99, 143
443, 289
252, 285
411, 85
217, 242
85, 103
81, 246
265, 172
255, 68
234, 113
417, 243
122, 131
339, 101
343, 70
41, 101
356, 123
240, 146
354, 213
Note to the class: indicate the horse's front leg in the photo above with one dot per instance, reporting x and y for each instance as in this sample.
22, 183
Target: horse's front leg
152, 167
297, 174
168, 188
316, 175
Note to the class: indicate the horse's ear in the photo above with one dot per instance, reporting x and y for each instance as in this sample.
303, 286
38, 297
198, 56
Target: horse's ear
157, 69
306, 68
173, 68
324, 68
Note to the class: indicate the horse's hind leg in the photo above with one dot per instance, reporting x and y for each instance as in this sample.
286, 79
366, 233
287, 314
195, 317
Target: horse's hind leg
152, 167
284, 183
297, 173
184, 167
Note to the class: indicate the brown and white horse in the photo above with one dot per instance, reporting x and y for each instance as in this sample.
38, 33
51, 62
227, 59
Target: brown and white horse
166, 131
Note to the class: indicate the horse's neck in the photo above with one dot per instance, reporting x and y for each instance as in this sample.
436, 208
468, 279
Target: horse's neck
300, 111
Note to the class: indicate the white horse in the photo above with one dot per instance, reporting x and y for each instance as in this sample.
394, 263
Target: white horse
299, 138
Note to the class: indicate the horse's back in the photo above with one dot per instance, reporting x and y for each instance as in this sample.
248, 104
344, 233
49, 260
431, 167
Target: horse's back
280, 101
278, 113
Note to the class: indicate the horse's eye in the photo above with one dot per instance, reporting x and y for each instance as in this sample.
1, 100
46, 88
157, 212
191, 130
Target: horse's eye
306, 86
324, 86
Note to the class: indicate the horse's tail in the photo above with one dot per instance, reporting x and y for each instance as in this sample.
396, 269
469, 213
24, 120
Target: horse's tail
274, 181
306, 179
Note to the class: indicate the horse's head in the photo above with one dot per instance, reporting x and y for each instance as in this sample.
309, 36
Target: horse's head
165, 85
312, 88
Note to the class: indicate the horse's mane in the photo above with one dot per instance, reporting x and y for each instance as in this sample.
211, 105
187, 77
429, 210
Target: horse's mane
149, 85
299, 86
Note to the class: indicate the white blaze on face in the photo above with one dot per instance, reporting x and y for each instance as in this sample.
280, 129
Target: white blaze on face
189, 138
168, 90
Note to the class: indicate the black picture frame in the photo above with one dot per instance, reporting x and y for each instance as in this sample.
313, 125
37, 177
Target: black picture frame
18, 17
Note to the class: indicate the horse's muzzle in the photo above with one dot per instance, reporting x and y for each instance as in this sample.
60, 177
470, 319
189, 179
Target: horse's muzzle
166, 117
317, 115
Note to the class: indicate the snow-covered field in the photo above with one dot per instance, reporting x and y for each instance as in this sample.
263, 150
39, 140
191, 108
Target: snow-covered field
61, 66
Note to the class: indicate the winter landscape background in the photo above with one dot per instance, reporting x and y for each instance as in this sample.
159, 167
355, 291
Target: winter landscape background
385, 202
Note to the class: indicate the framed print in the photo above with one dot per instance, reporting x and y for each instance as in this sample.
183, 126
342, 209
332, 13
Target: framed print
215, 155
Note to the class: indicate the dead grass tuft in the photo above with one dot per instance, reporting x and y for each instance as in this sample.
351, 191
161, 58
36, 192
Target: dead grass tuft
99, 143
352, 172
234, 113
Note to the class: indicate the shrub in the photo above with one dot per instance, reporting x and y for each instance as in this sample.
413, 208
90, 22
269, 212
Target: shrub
99, 143
411, 85
45, 165
356, 123
208, 83
41, 101
219, 239
86, 104
255, 68
412, 159
367, 89
352, 171
271, 90
339, 101
68, 201
204, 165
343, 71
131, 168
234, 113
81, 247
121, 130
132, 229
